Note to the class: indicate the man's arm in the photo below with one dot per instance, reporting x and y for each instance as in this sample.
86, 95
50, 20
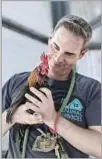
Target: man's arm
85, 140
5, 126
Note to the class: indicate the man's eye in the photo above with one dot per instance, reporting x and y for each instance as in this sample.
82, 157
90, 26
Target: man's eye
69, 54
55, 47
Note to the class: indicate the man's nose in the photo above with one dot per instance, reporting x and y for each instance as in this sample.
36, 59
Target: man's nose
59, 57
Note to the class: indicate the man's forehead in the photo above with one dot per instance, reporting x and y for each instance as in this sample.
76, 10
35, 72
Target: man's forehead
67, 40
63, 32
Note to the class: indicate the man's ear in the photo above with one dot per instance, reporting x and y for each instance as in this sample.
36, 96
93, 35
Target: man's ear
83, 52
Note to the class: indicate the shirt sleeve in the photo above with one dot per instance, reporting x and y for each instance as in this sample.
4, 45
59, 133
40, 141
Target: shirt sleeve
93, 110
6, 93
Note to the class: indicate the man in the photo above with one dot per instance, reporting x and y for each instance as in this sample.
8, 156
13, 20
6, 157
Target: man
79, 125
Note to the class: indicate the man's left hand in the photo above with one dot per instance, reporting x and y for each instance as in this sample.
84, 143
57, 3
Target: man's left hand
45, 107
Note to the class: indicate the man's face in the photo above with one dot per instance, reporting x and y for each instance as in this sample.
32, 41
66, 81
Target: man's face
64, 49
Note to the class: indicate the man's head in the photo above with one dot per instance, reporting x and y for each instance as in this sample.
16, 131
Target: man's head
67, 44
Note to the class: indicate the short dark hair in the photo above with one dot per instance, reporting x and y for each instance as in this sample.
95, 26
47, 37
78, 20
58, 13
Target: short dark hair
77, 25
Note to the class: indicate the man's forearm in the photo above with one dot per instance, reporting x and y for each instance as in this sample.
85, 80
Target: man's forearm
5, 126
87, 141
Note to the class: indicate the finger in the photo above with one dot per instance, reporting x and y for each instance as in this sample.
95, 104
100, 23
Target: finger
33, 122
32, 119
33, 99
38, 115
32, 107
23, 107
46, 91
38, 93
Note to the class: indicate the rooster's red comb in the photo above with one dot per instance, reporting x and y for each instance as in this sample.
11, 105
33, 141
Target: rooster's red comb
44, 59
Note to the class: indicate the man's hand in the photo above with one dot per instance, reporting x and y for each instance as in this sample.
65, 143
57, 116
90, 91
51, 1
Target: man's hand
45, 107
20, 116
23, 117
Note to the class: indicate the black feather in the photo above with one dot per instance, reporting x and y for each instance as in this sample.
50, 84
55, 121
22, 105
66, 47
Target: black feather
20, 99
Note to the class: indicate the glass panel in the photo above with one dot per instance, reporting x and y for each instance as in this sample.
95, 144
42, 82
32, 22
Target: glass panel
33, 14
90, 65
19, 53
86, 9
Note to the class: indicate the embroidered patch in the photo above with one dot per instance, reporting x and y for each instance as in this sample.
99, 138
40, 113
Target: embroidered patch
73, 110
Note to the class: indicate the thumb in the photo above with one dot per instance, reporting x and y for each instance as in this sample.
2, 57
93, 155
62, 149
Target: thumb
38, 115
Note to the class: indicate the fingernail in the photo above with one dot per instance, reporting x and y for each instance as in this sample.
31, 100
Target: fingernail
26, 95
31, 88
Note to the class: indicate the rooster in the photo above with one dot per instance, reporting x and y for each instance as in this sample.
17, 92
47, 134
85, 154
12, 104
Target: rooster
38, 78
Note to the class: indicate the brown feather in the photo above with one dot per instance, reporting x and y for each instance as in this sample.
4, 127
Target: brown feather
33, 78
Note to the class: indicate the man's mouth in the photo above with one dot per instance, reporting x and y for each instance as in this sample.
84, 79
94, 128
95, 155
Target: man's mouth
58, 65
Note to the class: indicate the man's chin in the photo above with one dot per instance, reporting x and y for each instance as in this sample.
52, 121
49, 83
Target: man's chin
54, 74
51, 74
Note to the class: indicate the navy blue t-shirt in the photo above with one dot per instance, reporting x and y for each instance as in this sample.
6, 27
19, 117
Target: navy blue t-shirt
83, 109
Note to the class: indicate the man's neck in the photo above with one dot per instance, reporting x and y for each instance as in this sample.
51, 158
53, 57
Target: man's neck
60, 78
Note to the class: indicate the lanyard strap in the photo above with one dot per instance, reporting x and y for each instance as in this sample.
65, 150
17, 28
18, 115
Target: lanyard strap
66, 100
62, 151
